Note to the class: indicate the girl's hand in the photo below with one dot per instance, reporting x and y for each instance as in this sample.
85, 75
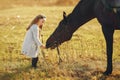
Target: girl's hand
43, 47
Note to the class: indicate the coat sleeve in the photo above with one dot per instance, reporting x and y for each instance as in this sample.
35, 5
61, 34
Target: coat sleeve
35, 32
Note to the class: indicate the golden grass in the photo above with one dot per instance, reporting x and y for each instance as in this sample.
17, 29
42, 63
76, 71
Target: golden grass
84, 56
20, 3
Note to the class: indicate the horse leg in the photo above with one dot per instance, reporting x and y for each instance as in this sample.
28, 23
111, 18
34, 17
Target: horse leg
108, 34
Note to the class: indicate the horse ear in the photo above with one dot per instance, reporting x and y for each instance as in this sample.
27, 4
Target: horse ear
64, 15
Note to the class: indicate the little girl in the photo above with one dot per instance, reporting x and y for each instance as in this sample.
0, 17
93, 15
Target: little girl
32, 42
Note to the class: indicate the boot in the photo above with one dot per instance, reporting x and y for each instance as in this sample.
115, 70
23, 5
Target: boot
34, 62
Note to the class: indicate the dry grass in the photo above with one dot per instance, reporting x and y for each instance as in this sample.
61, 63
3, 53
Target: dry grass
83, 57
15, 3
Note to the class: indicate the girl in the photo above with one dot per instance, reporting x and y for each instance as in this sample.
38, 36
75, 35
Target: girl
32, 42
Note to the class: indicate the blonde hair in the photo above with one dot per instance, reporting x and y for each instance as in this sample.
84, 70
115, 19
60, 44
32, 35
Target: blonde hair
35, 20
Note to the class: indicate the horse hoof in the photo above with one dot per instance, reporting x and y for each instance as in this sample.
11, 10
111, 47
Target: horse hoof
107, 73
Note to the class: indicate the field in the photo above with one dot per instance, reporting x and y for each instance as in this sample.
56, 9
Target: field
84, 56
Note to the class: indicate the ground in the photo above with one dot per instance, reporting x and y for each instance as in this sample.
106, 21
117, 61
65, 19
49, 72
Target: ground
84, 56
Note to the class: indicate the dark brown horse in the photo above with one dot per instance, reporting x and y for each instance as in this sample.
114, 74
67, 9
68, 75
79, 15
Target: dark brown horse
85, 11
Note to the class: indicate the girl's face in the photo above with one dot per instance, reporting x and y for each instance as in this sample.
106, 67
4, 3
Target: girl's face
41, 22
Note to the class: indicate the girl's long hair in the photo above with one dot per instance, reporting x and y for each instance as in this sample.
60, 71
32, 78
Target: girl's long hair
35, 20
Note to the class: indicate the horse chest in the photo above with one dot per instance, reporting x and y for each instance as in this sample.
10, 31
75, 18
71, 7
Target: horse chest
109, 17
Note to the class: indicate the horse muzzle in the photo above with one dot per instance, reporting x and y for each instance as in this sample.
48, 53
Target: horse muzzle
52, 45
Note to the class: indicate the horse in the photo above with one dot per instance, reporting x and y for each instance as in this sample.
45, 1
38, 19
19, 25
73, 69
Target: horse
85, 11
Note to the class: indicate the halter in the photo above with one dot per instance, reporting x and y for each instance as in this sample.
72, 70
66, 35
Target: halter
56, 43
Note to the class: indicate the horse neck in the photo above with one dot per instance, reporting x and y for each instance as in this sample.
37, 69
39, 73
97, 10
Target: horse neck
81, 14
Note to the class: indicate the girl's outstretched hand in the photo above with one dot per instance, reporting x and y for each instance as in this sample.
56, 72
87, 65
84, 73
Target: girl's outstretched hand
43, 47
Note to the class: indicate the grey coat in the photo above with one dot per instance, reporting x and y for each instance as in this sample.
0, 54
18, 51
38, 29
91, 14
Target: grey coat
32, 42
